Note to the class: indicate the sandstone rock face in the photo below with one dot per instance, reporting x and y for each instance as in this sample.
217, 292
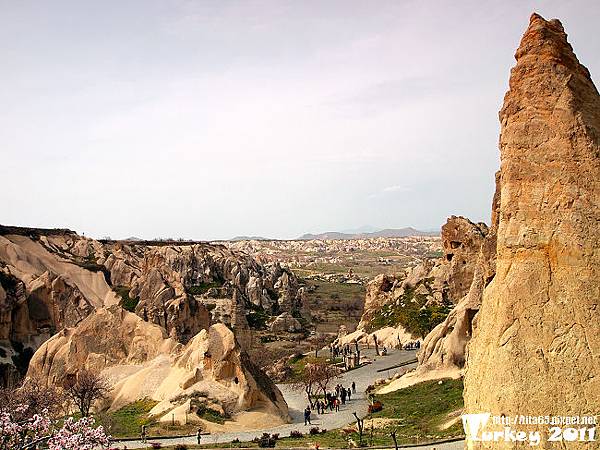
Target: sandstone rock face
140, 361
378, 293
175, 284
444, 349
285, 322
42, 293
536, 344
109, 337
462, 240
52, 279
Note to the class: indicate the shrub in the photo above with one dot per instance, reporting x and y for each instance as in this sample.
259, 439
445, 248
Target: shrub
296, 434
411, 311
314, 430
257, 318
181, 447
210, 414
155, 445
266, 441
127, 303
203, 287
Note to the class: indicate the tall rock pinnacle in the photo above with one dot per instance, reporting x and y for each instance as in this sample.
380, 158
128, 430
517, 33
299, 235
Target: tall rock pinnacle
536, 344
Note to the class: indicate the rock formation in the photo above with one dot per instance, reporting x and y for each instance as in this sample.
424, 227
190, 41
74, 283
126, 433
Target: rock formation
444, 349
536, 343
52, 279
285, 323
40, 293
462, 241
140, 361
435, 284
175, 285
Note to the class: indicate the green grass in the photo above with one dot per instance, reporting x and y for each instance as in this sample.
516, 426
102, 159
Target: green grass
127, 302
410, 312
128, 420
211, 415
421, 409
335, 291
203, 288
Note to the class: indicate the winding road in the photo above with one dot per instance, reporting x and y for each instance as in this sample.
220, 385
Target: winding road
363, 377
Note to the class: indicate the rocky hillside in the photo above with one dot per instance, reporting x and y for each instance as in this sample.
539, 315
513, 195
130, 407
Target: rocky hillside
443, 351
140, 361
536, 344
417, 300
53, 279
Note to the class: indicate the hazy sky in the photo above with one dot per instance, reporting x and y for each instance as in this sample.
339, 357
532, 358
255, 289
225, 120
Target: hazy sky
209, 119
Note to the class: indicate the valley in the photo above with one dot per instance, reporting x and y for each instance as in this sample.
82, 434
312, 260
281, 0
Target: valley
374, 339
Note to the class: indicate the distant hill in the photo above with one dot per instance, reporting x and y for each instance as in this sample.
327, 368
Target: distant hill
249, 238
387, 233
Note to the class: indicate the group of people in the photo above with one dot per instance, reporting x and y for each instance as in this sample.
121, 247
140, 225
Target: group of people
331, 401
340, 350
415, 345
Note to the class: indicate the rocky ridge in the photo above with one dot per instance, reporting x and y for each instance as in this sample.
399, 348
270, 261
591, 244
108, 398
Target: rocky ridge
53, 279
412, 302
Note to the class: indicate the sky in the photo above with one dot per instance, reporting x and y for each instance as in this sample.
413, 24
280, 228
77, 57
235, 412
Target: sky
211, 119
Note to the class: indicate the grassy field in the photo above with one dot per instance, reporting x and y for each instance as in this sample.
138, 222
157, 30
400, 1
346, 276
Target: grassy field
334, 304
128, 421
423, 409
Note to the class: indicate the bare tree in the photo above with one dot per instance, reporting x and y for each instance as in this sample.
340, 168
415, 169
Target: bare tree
307, 382
324, 373
37, 396
84, 388
316, 376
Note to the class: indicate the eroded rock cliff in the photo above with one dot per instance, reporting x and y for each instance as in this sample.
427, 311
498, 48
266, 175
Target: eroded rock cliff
52, 279
536, 343
416, 301
444, 348
140, 361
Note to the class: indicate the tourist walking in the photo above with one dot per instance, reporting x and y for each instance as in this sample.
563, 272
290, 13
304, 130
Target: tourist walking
307, 416
143, 434
353, 387
199, 435
348, 392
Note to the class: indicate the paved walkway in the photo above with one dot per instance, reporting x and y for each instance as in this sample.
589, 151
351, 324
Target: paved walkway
363, 377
